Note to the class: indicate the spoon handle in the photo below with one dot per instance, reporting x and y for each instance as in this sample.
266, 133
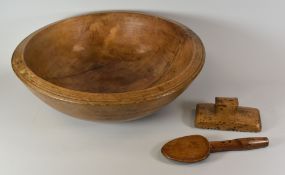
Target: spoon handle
239, 144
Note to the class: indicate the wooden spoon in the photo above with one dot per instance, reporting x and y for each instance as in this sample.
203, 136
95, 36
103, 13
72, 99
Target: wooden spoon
195, 148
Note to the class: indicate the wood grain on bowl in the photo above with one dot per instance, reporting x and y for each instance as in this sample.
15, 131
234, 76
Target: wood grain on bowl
109, 65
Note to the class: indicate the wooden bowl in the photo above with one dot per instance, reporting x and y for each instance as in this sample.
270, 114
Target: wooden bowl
109, 65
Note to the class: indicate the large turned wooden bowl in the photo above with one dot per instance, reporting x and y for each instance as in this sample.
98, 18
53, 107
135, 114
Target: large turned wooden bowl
109, 65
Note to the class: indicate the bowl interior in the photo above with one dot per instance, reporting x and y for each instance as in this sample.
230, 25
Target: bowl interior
108, 53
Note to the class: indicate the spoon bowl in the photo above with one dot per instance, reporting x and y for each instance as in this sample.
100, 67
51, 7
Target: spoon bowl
192, 148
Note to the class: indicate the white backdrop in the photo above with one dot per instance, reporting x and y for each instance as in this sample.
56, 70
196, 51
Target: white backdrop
245, 44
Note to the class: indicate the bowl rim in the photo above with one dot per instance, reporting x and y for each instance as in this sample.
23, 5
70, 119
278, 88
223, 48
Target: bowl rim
173, 85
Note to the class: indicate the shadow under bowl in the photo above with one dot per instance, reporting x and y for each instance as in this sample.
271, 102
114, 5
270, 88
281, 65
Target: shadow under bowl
109, 65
